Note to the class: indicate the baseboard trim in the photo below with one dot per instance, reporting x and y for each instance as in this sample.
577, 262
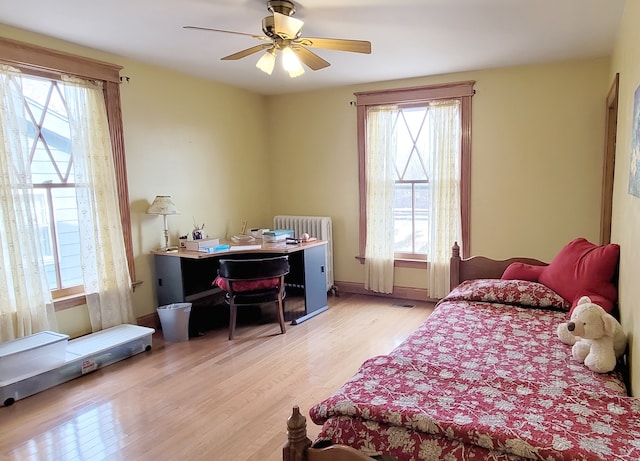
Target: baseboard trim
413, 294
149, 321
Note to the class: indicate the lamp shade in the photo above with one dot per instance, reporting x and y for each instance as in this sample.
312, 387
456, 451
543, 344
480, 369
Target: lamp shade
291, 63
267, 61
162, 205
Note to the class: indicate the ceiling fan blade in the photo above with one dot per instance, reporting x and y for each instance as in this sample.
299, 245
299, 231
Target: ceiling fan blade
259, 37
286, 26
245, 53
309, 58
356, 46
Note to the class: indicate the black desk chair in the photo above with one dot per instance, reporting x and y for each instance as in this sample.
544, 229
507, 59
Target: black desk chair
250, 282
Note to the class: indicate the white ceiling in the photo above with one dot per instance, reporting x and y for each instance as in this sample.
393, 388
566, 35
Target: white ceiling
409, 38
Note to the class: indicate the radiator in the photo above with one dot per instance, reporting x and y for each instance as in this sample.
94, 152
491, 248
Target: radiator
315, 226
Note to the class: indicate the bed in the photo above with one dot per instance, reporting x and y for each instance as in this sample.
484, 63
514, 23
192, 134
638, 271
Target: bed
484, 378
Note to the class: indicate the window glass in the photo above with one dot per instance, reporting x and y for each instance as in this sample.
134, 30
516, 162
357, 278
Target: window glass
52, 177
411, 204
411, 218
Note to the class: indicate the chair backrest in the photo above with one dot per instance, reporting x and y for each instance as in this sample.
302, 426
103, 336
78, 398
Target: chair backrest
253, 269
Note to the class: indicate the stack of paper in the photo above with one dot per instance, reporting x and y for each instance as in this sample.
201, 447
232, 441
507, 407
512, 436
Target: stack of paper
279, 235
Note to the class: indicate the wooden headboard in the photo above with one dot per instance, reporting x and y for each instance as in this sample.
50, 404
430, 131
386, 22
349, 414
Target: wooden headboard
480, 267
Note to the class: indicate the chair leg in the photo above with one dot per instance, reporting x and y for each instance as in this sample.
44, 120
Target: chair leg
280, 306
233, 312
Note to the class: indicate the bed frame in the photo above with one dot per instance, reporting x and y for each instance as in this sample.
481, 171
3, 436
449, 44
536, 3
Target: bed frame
480, 267
298, 446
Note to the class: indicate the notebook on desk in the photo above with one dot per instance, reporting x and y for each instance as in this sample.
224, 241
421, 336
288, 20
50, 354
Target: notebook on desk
244, 247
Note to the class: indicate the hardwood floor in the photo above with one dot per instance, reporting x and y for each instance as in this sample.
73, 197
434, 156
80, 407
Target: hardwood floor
207, 398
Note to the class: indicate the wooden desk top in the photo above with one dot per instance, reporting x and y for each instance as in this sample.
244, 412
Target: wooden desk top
257, 246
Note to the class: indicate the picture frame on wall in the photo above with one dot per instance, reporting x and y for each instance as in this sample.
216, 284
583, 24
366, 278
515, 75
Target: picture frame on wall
634, 166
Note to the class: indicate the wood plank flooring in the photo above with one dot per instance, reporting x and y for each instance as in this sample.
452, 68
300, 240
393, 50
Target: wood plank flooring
207, 398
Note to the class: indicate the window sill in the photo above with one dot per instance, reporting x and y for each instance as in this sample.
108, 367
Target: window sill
403, 262
67, 302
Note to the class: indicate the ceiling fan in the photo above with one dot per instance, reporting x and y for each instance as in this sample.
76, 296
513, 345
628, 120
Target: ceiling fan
283, 33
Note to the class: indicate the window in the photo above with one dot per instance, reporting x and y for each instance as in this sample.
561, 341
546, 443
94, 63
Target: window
52, 175
52, 170
411, 120
411, 192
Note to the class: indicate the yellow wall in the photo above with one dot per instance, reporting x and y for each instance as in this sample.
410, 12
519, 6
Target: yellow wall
537, 142
626, 208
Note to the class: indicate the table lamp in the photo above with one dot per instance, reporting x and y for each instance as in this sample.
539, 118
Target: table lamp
163, 205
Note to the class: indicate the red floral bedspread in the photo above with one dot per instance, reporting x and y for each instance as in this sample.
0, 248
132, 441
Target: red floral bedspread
485, 381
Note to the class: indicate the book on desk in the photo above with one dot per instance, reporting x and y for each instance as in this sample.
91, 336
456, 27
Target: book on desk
279, 235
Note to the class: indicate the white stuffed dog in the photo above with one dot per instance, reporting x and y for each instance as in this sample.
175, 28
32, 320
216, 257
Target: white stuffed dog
597, 337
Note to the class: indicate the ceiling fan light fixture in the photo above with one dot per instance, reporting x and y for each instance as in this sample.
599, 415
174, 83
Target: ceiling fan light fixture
283, 32
296, 72
267, 61
291, 63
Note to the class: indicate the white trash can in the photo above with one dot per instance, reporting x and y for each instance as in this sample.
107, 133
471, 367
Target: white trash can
174, 319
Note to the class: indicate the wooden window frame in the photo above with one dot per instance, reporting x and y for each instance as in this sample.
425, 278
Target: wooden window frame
45, 62
463, 91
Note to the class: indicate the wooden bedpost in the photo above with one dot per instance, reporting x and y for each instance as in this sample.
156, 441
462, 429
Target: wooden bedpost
297, 441
454, 270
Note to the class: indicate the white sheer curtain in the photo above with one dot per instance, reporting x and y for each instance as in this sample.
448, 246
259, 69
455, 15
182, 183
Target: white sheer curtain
444, 180
26, 306
380, 168
104, 263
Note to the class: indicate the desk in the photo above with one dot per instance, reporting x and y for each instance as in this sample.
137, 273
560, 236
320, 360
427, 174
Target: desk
186, 276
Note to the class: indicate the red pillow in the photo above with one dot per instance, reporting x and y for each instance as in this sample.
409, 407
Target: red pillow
584, 269
248, 285
522, 271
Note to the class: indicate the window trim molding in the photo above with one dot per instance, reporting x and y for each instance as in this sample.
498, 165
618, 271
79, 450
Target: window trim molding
46, 62
415, 94
38, 59
464, 92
